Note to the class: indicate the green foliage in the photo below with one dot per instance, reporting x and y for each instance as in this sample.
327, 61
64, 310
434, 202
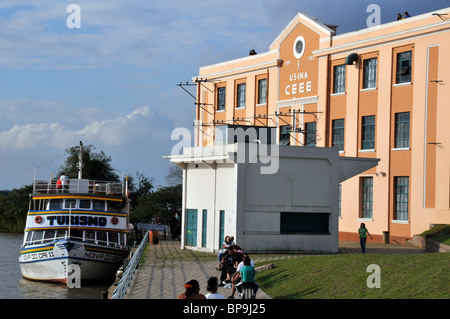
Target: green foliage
96, 166
13, 209
162, 203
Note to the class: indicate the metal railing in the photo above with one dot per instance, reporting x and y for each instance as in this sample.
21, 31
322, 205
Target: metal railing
80, 186
125, 281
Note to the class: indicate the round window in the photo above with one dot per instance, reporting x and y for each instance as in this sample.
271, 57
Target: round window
299, 47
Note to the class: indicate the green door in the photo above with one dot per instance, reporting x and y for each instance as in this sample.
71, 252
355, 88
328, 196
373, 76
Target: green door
221, 228
204, 223
191, 228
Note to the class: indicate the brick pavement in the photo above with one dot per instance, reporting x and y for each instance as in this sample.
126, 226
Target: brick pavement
166, 268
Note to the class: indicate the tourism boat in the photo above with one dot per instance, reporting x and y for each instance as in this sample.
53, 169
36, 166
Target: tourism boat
75, 232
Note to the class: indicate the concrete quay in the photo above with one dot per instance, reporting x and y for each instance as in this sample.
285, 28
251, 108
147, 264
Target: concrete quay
166, 268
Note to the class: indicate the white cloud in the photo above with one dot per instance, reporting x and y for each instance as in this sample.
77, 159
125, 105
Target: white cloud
115, 131
144, 33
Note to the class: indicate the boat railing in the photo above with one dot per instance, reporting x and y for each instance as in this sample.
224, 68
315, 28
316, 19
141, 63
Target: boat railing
125, 281
79, 186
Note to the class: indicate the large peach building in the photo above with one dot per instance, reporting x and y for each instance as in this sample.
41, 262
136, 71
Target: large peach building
381, 92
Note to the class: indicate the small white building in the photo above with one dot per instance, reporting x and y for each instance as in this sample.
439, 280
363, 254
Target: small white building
270, 197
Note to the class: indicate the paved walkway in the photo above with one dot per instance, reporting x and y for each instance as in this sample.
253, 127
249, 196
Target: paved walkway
167, 268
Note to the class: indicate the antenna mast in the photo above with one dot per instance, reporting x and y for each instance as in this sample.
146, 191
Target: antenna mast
80, 162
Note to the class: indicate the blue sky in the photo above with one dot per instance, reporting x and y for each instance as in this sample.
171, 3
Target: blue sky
113, 82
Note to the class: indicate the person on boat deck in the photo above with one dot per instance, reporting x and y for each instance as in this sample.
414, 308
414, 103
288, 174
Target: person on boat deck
63, 180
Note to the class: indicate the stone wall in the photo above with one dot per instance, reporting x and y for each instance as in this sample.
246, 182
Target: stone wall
429, 244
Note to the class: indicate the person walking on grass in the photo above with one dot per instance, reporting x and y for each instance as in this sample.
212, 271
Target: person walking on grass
363, 232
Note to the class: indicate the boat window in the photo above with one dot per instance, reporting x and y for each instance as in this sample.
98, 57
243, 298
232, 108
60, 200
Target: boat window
102, 238
37, 236
123, 239
70, 203
113, 238
55, 204
115, 206
76, 233
85, 204
99, 205
89, 236
49, 235
60, 234
28, 239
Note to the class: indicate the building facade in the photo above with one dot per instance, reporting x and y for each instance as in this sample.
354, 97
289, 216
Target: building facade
380, 92
269, 197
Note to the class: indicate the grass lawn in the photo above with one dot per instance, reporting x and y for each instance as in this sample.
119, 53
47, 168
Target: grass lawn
345, 276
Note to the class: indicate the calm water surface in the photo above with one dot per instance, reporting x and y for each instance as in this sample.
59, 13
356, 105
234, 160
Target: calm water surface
13, 286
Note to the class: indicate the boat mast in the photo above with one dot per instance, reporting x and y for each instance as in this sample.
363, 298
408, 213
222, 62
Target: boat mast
80, 162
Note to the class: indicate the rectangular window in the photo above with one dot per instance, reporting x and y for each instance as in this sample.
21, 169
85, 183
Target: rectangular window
339, 79
401, 205
310, 134
367, 197
70, 203
291, 223
338, 134
85, 204
49, 235
404, 64
370, 73
221, 98
368, 132
402, 130
55, 204
240, 98
99, 205
285, 135
262, 91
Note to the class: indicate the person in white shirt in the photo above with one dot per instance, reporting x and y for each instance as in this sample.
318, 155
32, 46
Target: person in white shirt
212, 287
64, 178
236, 278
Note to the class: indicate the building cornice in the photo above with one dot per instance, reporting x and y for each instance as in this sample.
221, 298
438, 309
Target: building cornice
382, 39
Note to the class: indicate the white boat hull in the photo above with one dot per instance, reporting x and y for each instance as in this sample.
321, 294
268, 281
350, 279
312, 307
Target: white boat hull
53, 261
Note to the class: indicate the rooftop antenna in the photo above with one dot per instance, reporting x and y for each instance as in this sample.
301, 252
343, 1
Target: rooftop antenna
80, 162
440, 15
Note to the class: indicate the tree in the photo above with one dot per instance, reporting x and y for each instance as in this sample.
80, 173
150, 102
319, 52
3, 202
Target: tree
175, 176
13, 209
162, 203
143, 187
96, 166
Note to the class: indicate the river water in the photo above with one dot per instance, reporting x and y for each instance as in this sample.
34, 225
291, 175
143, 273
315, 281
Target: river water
14, 286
